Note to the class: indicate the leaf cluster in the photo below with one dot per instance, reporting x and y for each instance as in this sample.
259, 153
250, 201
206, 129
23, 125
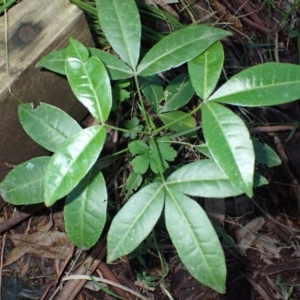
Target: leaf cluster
71, 171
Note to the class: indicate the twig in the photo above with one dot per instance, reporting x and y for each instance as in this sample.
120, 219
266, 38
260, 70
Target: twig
271, 128
19, 217
1, 262
86, 277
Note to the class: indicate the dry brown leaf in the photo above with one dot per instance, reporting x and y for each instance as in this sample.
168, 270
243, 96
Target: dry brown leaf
245, 236
13, 256
226, 16
45, 244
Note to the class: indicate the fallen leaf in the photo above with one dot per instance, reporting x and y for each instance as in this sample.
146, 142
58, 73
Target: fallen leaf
45, 244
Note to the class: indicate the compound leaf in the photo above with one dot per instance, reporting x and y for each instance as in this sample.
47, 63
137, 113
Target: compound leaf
89, 80
230, 145
262, 85
47, 125
120, 22
205, 70
85, 210
134, 221
203, 178
72, 161
25, 183
178, 48
178, 93
195, 240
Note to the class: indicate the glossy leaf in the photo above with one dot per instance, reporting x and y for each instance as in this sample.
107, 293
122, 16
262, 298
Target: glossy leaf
203, 178
266, 155
203, 148
116, 68
120, 22
72, 161
229, 142
195, 240
47, 125
178, 48
54, 61
205, 70
178, 93
153, 90
85, 210
134, 221
25, 183
89, 80
262, 85
178, 120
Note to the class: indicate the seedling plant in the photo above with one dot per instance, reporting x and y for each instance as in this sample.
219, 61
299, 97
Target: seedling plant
72, 171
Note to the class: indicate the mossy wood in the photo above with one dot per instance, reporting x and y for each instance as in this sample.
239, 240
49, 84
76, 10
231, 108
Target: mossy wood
36, 27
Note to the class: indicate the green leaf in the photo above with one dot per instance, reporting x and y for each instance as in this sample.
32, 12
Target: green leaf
195, 240
134, 221
203, 148
119, 92
203, 178
134, 126
47, 125
85, 210
262, 85
133, 182
178, 93
138, 147
72, 161
54, 61
153, 90
89, 80
180, 120
140, 163
205, 70
178, 48
120, 22
116, 68
25, 183
229, 142
160, 151
265, 154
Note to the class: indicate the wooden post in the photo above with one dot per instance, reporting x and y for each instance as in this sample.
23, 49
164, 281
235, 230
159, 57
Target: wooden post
35, 28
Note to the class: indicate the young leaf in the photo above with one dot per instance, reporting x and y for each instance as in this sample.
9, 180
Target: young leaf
116, 68
24, 184
265, 154
178, 48
71, 162
134, 126
135, 220
178, 93
54, 61
229, 142
89, 80
203, 178
262, 85
205, 70
178, 120
195, 240
85, 210
120, 22
160, 151
153, 90
47, 125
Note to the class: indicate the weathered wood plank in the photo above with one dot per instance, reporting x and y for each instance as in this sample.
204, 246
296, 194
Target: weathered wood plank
36, 27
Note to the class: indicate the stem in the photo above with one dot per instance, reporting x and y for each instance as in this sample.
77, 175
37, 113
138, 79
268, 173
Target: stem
143, 111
